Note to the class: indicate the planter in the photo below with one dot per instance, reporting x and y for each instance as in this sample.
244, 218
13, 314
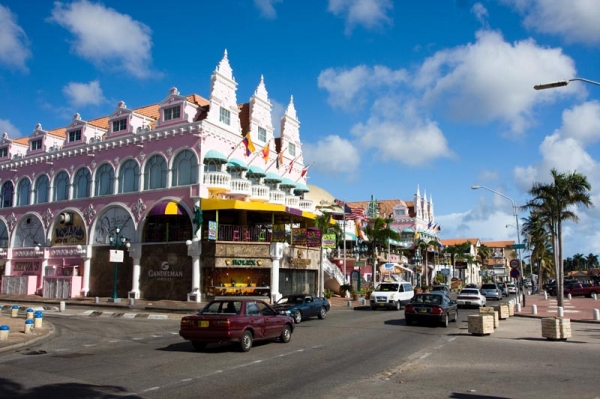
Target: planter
556, 328
355, 297
493, 312
482, 324
502, 311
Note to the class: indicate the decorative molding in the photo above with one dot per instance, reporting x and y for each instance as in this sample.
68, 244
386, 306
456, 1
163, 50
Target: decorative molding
93, 164
169, 151
90, 213
142, 155
138, 208
65, 252
12, 221
48, 216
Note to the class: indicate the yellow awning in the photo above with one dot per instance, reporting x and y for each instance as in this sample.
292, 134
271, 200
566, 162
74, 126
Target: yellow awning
231, 204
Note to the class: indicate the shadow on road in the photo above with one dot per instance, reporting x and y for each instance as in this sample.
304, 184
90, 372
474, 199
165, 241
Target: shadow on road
9, 389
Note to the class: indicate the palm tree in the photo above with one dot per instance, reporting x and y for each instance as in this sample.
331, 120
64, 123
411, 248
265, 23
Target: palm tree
592, 261
537, 239
554, 202
484, 252
579, 261
379, 233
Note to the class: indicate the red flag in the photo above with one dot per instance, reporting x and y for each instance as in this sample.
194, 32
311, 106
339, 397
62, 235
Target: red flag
304, 170
265, 153
292, 164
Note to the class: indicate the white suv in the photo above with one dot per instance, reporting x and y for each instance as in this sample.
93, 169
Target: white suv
391, 295
491, 291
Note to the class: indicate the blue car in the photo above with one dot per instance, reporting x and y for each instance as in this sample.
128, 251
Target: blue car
302, 306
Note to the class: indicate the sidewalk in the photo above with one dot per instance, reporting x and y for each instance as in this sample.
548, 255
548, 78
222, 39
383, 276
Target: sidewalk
578, 309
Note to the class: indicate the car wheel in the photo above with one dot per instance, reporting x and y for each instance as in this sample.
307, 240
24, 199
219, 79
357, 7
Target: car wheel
445, 321
246, 342
409, 322
298, 317
322, 313
286, 334
398, 305
199, 345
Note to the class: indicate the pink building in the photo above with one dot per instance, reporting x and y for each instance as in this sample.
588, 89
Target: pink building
180, 199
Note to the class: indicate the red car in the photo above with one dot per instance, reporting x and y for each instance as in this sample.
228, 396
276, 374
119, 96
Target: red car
236, 320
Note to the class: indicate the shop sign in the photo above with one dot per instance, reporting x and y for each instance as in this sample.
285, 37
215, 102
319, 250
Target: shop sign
329, 240
313, 237
299, 262
164, 274
243, 262
299, 236
26, 267
212, 230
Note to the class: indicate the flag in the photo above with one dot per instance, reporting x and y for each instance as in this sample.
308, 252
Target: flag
293, 161
265, 153
343, 205
248, 144
439, 243
417, 235
279, 160
429, 225
357, 213
305, 169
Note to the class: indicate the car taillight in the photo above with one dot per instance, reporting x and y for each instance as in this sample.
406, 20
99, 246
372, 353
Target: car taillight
225, 323
409, 309
436, 310
185, 323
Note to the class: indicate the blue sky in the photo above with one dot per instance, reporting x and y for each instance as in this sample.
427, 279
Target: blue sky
391, 96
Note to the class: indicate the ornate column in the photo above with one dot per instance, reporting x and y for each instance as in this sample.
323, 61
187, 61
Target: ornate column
86, 254
135, 252
276, 253
195, 250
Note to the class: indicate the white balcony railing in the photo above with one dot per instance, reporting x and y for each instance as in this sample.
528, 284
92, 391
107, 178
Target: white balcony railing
307, 205
240, 188
277, 197
217, 182
292, 201
260, 193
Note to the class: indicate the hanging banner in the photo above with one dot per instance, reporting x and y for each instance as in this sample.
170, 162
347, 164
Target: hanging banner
278, 233
212, 230
329, 240
299, 236
313, 237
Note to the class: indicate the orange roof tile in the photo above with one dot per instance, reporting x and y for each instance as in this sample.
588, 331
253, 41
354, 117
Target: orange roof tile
497, 244
458, 241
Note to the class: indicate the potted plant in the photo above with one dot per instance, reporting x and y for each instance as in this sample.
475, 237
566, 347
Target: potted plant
365, 292
355, 294
328, 293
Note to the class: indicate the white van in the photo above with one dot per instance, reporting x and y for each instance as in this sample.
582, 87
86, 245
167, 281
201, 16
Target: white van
391, 295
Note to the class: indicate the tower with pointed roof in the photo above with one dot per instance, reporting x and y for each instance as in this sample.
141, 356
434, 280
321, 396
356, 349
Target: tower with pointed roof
224, 109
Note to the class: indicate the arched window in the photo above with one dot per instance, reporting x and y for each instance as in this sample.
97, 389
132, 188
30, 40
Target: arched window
42, 190
61, 187
81, 183
155, 174
24, 192
185, 169
7, 194
128, 177
212, 166
105, 176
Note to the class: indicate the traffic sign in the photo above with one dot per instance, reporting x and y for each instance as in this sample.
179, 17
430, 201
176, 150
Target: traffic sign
514, 263
445, 272
514, 273
518, 246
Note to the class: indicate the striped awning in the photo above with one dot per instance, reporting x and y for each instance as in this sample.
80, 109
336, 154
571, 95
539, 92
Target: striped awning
167, 208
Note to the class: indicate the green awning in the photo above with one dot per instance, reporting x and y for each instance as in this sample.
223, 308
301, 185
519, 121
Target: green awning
302, 187
236, 163
216, 155
287, 182
256, 170
272, 176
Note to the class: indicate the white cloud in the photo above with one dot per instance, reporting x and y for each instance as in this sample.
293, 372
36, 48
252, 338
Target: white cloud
266, 8
371, 14
349, 87
82, 94
582, 122
106, 38
491, 80
14, 45
481, 14
332, 154
574, 20
9, 128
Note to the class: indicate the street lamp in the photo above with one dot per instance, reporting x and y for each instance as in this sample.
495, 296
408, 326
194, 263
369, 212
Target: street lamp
562, 83
515, 213
417, 258
360, 249
117, 240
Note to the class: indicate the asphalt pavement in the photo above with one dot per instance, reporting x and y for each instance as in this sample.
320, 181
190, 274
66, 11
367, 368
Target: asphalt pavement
577, 309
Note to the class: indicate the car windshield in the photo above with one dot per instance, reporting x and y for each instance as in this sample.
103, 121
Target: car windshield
469, 292
216, 307
287, 300
433, 299
488, 287
387, 287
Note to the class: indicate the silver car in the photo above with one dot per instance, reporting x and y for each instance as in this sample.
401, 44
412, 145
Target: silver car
491, 291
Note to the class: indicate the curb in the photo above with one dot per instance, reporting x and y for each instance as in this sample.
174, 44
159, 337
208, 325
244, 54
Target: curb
29, 342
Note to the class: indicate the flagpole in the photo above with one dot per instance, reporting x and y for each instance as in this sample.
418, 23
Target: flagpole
307, 168
259, 152
235, 148
289, 169
344, 210
275, 160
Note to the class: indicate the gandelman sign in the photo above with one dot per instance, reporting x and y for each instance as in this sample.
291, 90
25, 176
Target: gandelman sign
164, 273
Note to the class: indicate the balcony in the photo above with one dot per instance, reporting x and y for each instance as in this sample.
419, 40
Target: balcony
307, 205
260, 193
217, 182
277, 197
292, 201
240, 188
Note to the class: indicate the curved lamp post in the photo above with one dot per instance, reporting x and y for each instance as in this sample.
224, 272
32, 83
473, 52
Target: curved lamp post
117, 240
515, 213
360, 249
562, 83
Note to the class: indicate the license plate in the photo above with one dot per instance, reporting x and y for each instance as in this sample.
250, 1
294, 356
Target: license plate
203, 323
467, 302
382, 304
423, 310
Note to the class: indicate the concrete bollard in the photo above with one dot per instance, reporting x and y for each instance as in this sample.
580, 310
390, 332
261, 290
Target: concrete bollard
569, 296
4, 330
62, 306
533, 309
595, 297
29, 314
14, 311
131, 301
545, 295
28, 328
596, 314
349, 304
518, 306
97, 300
561, 311
37, 319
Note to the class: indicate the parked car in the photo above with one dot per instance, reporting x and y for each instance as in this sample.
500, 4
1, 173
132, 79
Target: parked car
581, 289
470, 297
471, 285
242, 321
431, 307
491, 291
511, 288
302, 306
441, 288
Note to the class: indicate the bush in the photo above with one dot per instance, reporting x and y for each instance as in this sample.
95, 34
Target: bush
328, 293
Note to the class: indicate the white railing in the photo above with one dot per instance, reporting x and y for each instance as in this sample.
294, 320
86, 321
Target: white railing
217, 181
332, 270
260, 193
277, 197
307, 205
292, 201
241, 187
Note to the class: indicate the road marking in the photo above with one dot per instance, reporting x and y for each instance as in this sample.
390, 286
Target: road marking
106, 314
426, 355
158, 317
129, 315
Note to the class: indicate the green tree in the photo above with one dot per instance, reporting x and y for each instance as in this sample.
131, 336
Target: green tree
325, 225
537, 240
555, 201
592, 261
579, 261
379, 232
